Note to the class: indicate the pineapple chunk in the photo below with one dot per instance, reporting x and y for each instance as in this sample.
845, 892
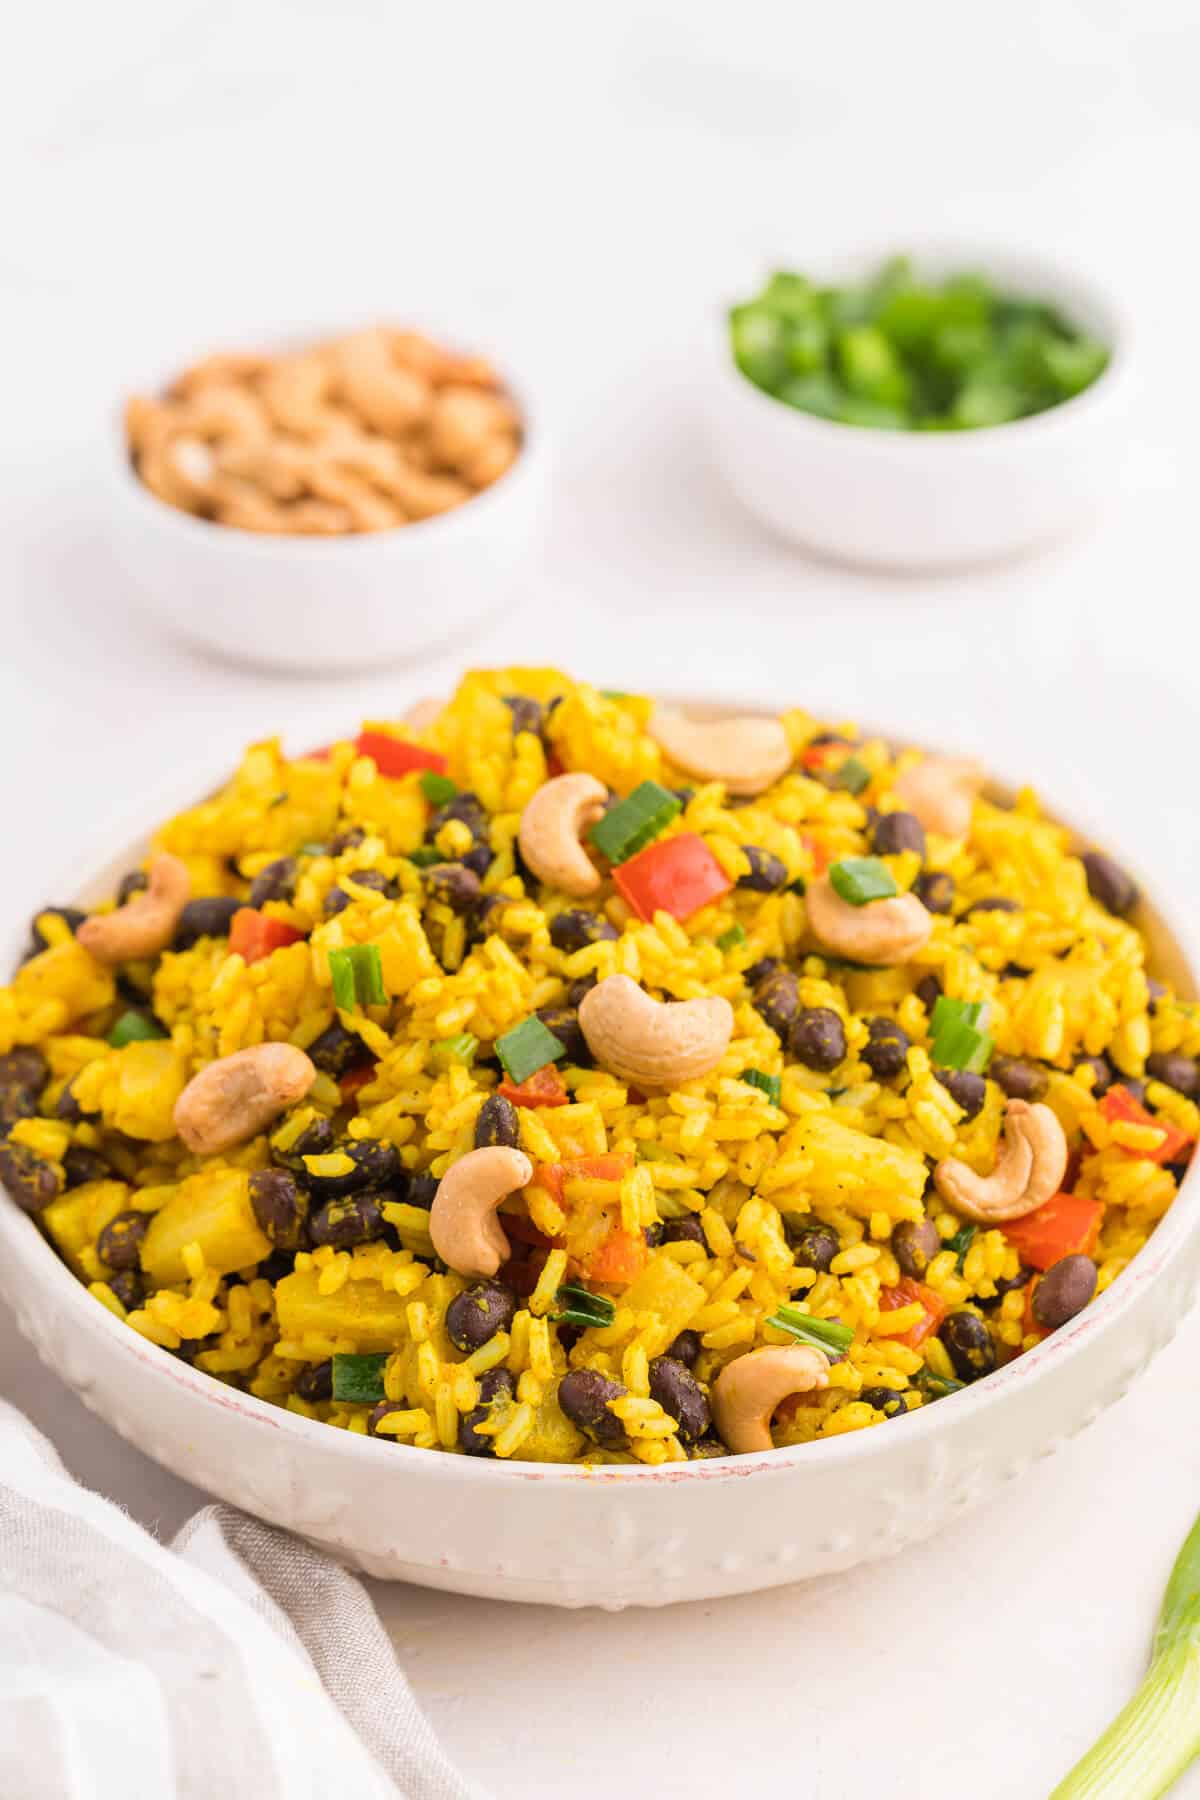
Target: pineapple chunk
553, 1438
75, 1220
665, 1288
211, 1209
373, 1316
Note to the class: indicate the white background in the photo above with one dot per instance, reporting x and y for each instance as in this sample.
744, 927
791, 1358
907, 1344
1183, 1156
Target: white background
588, 182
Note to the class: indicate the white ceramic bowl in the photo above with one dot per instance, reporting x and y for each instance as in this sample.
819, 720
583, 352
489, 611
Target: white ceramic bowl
323, 603
612, 1536
928, 500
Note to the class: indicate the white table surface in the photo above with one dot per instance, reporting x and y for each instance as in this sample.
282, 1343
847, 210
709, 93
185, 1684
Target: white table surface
588, 181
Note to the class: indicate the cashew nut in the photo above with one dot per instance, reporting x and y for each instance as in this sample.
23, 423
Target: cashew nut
747, 755
1029, 1168
235, 1098
882, 933
144, 925
653, 1043
552, 828
747, 1391
466, 1233
941, 791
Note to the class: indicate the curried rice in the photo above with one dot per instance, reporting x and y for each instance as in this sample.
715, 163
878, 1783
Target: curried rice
663, 1227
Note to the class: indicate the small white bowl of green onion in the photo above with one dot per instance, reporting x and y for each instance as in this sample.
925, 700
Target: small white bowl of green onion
927, 412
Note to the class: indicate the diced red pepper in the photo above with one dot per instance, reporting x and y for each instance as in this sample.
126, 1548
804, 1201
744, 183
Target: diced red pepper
619, 1260
602, 1249
543, 1088
820, 853
357, 1078
253, 935
1119, 1104
1065, 1225
815, 756
678, 875
394, 757
908, 1292
523, 1231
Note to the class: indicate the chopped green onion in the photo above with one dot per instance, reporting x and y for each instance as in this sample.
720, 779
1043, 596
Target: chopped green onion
957, 1038
460, 1049
771, 1085
527, 1048
947, 1011
860, 879
425, 855
960, 1243
853, 776
134, 1028
729, 940
309, 848
436, 788
357, 976
1153, 1739
359, 1379
635, 821
936, 1387
824, 1334
579, 1306
613, 694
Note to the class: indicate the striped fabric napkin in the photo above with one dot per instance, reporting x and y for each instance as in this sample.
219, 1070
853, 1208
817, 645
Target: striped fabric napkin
237, 1662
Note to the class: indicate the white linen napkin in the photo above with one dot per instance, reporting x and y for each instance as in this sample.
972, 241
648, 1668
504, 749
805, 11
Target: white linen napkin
237, 1661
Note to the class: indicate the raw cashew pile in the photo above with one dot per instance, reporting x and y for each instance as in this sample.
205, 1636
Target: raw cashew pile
361, 433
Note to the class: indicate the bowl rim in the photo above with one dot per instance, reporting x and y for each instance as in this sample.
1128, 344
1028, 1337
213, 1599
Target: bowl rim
526, 469
27, 1245
1064, 282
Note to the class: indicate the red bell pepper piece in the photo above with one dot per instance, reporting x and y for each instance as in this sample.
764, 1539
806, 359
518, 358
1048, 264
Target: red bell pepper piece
1065, 1225
394, 757
678, 875
604, 1251
905, 1293
815, 756
543, 1088
820, 853
253, 935
619, 1260
1119, 1104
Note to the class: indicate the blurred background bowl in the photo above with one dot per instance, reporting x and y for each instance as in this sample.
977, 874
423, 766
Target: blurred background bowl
325, 603
924, 500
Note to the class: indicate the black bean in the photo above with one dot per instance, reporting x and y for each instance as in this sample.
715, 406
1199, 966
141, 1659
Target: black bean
354, 1219
968, 1090
915, 1243
81, 1164
818, 1038
584, 1395
1135, 1087
25, 1068
422, 1190
887, 1400
563, 1021
378, 1413
969, 1345
497, 1123
758, 971
1019, 1079
1064, 1290
578, 989
337, 1050
680, 1395
898, 831
1109, 884
576, 928
32, 1182
337, 899
832, 737
454, 885
474, 1318
479, 860
813, 1246
934, 888
129, 1287
136, 882
527, 715
1103, 1074
685, 1348
70, 915
376, 1164
766, 875
315, 1140
992, 903
684, 795
468, 810
486, 917
276, 882
278, 1266
1155, 991
346, 840
776, 999
1176, 1071
653, 1234
119, 1244
687, 1230
204, 918
67, 1107
496, 1384
928, 991
280, 1206
316, 1383
886, 1050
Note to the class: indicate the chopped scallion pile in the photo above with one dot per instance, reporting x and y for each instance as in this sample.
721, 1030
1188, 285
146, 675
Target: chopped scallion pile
729, 940
823, 1334
134, 1028
958, 1040
357, 976
860, 879
634, 822
436, 788
359, 1379
579, 1306
853, 776
936, 1387
527, 1048
771, 1085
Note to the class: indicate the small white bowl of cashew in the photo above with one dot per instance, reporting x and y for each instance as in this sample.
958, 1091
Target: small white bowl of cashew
247, 586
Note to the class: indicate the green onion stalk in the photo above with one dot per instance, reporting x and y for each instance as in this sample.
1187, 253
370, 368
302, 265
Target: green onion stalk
1153, 1739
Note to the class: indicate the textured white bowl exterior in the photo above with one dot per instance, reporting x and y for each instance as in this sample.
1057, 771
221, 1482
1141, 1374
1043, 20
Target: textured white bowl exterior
614, 1536
928, 500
